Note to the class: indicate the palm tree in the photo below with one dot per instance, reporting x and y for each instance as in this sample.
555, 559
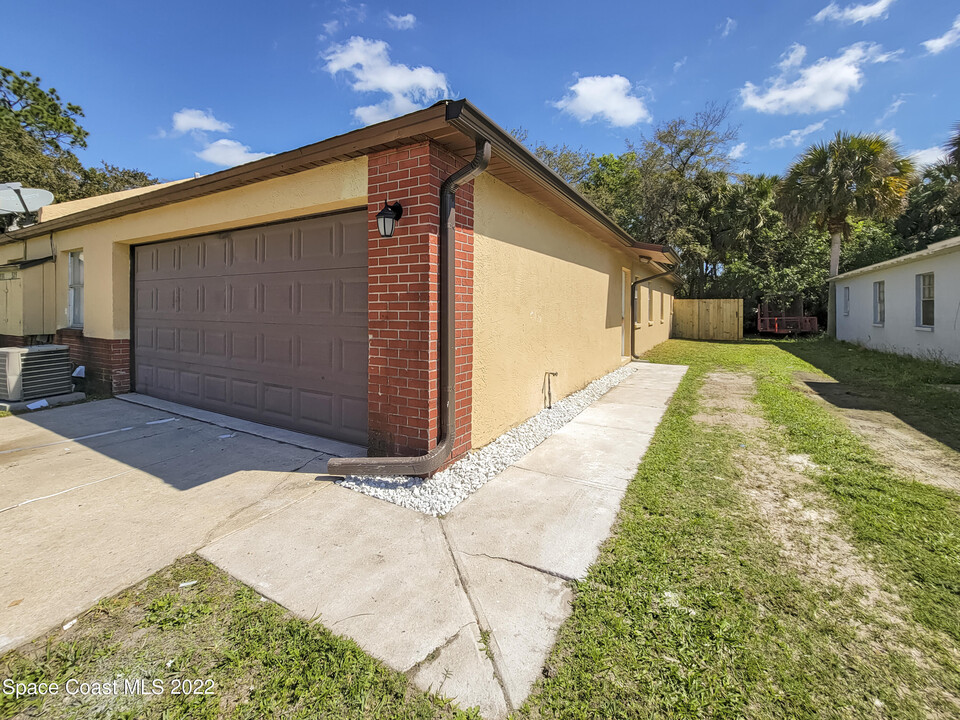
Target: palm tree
854, 176
953, 146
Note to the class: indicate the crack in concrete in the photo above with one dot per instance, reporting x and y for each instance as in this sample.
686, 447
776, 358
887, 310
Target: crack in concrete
211, 536
63, 492
436, 651
551, 573
497, 672
351, 617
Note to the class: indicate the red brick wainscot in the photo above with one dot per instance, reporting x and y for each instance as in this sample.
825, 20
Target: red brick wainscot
12, 341
106, 362
403, 311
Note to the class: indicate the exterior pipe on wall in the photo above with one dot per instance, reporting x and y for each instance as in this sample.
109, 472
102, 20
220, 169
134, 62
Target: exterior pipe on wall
432, 460
633, 309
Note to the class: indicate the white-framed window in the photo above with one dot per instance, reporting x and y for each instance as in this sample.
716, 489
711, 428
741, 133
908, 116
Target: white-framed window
75, 285
650, 304
846, 299
925, 300
879, 305
663, 302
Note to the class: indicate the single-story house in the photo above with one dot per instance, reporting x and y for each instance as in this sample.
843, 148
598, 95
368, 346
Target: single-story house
908, 305
267, 291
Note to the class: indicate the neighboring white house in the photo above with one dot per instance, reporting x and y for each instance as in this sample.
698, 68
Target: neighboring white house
909, 305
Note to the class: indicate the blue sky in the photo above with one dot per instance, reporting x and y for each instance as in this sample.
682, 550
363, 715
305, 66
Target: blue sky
176, 88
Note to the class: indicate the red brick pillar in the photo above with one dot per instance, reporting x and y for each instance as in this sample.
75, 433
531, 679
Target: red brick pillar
403, 385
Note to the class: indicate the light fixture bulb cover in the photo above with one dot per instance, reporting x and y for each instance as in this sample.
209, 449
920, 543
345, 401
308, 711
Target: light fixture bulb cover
387, 218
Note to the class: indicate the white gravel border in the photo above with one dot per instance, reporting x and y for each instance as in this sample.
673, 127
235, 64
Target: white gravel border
445, 490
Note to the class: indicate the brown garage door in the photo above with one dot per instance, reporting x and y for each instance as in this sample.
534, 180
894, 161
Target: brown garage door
267, 324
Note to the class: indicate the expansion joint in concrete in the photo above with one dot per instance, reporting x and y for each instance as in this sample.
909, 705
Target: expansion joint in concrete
485, 630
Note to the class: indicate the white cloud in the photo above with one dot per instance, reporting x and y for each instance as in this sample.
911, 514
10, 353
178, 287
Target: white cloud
330, 28
604, 96
368, 63
890, 135
927, 156
950, 38
401, 22
892, 108
793, 57
346, 15
680, 63
228, 153
796, 137
864, 13
727, 27
192, 120
824, 85
737, 151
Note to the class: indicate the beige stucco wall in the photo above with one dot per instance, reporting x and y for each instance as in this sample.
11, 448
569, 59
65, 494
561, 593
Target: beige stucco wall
548, 297
106, 245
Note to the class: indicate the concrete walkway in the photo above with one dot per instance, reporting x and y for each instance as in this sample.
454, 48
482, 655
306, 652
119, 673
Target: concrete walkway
468, 605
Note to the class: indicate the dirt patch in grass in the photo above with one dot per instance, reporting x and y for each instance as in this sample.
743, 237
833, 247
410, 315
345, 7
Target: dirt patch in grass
727, 398
800, 520
795, 513
908, 450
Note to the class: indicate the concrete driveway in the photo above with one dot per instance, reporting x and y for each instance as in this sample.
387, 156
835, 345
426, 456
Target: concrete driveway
96, 497
467, 605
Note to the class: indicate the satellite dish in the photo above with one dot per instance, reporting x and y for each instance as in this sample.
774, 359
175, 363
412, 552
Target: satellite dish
16, 199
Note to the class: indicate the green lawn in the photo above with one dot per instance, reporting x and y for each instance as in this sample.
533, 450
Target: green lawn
261, 662
753, 637
690, 611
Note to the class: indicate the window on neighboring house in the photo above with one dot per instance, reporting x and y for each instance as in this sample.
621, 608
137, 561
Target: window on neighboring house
879, 310
650, 304
663, 301
846, 300
75, 282
925, 300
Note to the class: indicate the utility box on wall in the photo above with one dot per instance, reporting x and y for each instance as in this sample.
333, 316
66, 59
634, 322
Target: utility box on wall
39, 299
11, 303
28, 294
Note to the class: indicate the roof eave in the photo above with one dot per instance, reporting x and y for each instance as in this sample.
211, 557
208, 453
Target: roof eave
458, 114
944, 246
341, 147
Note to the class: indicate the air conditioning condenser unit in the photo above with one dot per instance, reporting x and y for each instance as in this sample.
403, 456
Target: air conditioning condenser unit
39, 371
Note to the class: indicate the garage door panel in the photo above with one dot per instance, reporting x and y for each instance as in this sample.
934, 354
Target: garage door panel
190, 383
328, 411
224, 376
268, 324
167, 259
244, 252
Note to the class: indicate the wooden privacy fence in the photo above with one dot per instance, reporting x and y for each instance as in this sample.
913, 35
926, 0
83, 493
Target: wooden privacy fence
708, 319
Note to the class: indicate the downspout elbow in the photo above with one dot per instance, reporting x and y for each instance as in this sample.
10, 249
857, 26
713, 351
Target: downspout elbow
424, 465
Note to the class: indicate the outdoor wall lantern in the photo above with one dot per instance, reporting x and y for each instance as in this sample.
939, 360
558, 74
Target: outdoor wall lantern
387, 218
